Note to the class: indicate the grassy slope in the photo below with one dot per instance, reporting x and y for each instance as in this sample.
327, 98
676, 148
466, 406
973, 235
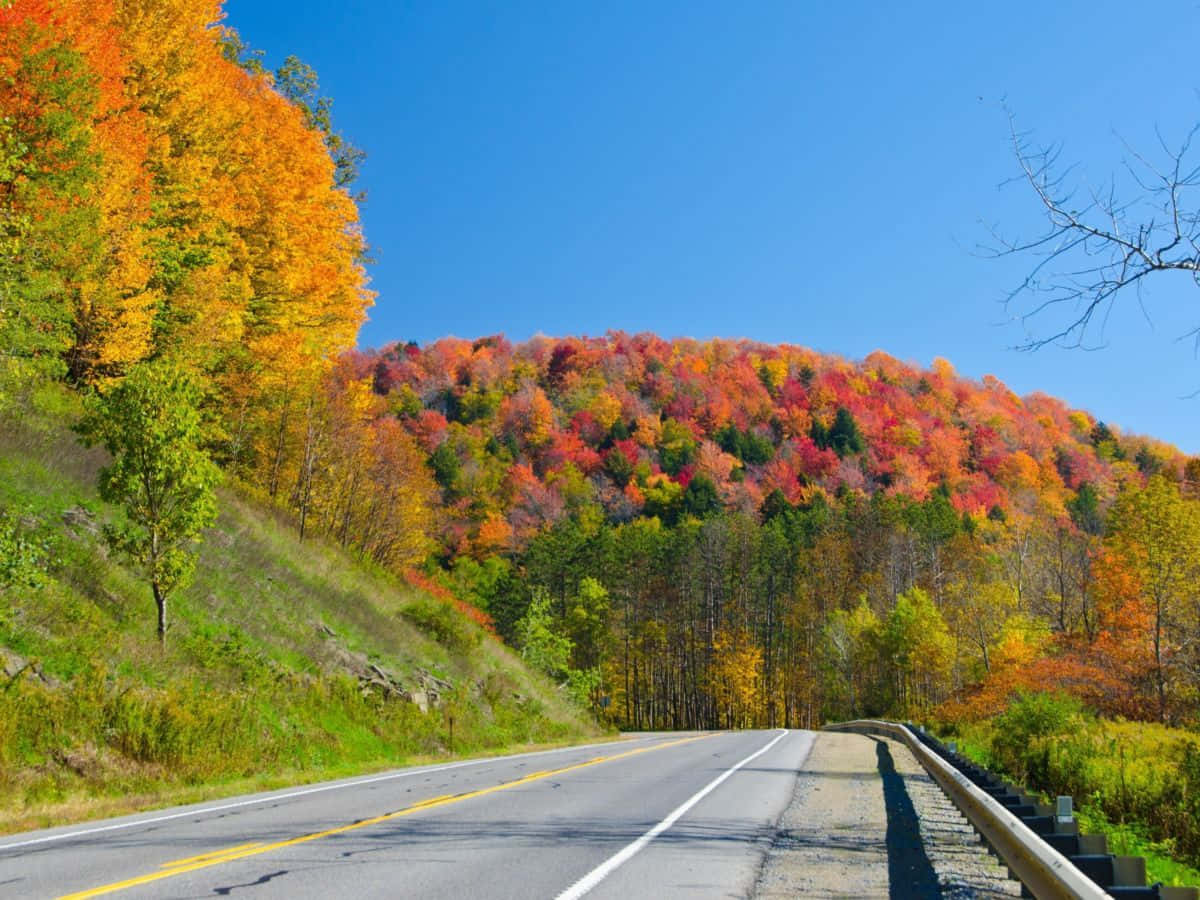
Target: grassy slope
262, 682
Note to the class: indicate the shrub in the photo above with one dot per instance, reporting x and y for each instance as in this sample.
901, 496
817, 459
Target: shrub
441, 623
1021, 740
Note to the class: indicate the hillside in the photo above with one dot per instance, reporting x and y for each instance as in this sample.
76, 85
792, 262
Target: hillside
733, 533
520, 435
286, 661
730, 533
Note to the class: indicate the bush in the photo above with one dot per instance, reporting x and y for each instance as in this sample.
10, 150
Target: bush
442, 623
1143, 777
1021, 743
22, 558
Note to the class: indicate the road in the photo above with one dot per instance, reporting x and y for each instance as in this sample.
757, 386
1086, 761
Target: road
663, 815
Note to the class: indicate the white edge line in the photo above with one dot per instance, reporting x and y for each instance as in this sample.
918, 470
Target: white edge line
408, 773
606, 868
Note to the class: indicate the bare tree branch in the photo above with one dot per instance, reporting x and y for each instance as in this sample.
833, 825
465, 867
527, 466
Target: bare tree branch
1089, 253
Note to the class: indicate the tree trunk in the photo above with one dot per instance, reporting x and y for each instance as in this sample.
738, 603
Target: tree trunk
160, 600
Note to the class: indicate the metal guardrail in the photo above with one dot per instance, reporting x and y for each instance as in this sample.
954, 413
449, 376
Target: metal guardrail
1045, 872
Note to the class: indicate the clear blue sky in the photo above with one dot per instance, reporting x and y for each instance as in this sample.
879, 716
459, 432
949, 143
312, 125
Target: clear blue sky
814, 173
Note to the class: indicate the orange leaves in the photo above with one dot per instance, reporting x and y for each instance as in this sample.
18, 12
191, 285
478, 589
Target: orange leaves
435, 589
256, 247
495, 536
216, 224
1019, 472
552, 402
528, 415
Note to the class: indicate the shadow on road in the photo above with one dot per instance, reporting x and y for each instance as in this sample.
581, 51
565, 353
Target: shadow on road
910, 873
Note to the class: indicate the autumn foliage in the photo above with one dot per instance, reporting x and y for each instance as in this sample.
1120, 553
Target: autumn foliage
786, 536
624, 423
716, 533
163, 196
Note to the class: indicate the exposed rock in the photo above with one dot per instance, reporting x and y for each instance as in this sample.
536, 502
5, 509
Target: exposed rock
11, 664
14, 666
372, 678
80, 520
84, 761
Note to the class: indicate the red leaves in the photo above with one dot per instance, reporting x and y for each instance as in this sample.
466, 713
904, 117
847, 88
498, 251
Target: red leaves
576, 402
443, 593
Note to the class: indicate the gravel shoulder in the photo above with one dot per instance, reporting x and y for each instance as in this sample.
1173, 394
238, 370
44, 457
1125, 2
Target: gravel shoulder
866, 820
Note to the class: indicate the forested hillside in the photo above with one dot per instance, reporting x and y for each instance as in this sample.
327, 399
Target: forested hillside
729, 533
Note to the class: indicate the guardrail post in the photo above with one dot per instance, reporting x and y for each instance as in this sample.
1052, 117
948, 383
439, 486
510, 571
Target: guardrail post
1064, 811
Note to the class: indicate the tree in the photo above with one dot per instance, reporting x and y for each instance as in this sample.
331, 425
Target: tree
48, 176
297, 81
541, 644
920, 649
842, 437
1156, 533
159, 473
1095, 247
700, 498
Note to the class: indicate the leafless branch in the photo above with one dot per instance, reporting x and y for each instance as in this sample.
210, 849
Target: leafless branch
1095, 246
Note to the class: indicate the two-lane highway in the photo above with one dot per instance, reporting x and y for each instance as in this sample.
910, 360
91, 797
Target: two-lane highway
653, 816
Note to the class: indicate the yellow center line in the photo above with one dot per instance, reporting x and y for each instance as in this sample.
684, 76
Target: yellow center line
241, 851
208, 856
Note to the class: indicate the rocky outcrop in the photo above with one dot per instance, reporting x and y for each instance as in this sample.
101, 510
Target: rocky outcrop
422, 687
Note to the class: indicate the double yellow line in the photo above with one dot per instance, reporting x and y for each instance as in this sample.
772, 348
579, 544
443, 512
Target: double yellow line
242, 851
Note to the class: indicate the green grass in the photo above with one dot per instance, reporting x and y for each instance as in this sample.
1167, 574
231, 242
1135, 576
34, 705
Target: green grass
252, 688
1126, 778
1132, 840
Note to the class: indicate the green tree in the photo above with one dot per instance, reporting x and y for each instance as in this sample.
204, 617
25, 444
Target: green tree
842, 437
150, 424
676, 446
1085, 510
920, 649
587, 622
541, 646
701, 499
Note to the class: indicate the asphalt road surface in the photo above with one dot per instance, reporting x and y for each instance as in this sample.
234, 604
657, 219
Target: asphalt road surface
655, 816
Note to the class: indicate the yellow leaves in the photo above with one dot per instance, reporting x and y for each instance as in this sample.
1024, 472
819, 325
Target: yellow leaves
1021, 640
734, 676
360, 402
1019, 472
775, 372
258, 240
904, 434
649, 430
861, 384
606, 409
944, 370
